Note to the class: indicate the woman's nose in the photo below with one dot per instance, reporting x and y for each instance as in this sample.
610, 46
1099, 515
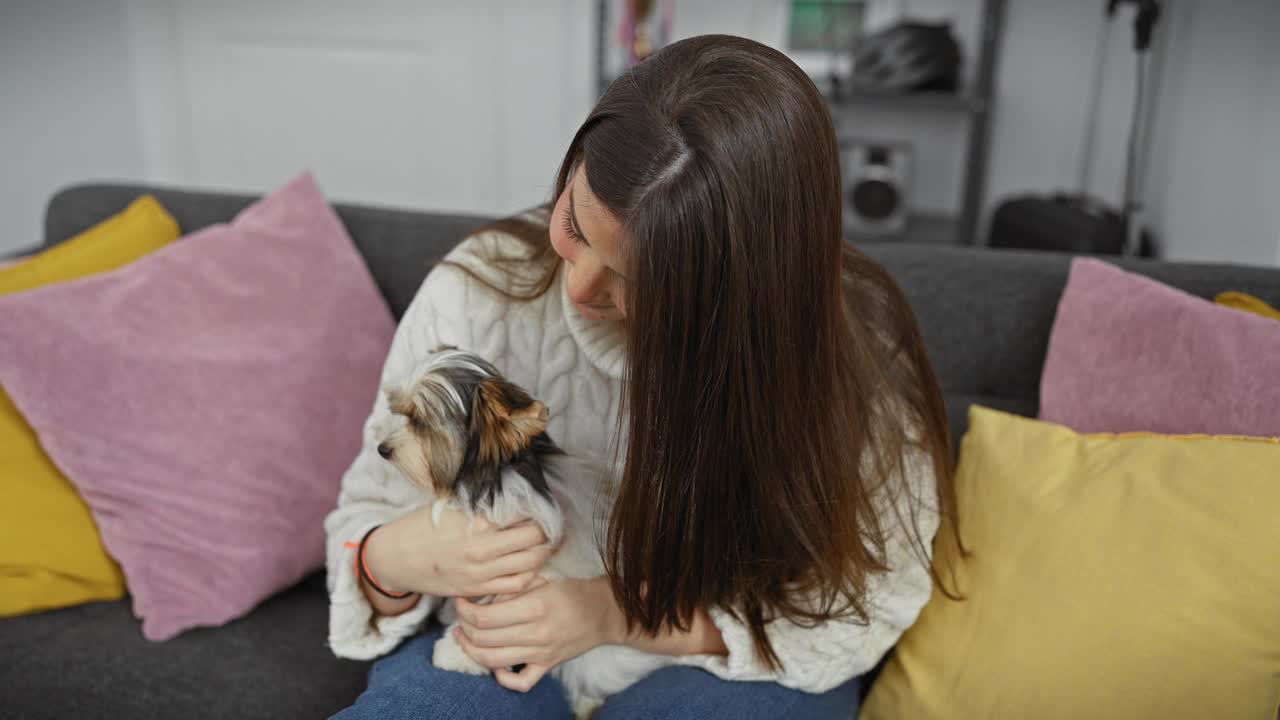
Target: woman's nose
584, 281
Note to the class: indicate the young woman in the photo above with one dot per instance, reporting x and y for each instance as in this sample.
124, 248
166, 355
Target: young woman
688, 310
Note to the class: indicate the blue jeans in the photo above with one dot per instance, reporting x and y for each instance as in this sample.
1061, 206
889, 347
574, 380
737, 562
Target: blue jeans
404, 684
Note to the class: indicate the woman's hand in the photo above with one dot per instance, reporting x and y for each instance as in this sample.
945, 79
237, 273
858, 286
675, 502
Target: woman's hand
461, 557
549, 623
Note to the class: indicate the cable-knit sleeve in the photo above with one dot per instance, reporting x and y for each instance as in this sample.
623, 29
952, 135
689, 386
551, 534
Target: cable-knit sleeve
818, 659
373, 491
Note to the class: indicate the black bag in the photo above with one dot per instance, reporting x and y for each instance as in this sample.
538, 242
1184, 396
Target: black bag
1065, 223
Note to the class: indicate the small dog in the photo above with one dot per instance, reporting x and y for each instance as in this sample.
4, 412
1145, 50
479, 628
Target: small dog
477, 443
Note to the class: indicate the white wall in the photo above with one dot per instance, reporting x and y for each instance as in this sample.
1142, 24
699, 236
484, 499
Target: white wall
1042, 95
468, 106
66, 106
1215, 182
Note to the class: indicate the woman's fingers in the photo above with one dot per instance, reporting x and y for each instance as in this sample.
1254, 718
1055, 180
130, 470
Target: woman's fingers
506, 585
518, 562
512, 539
522, 681
480, 523
496, 658
516, 611
526, 635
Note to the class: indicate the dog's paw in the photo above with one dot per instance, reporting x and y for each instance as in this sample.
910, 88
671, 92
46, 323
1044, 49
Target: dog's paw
584, 708
449, 655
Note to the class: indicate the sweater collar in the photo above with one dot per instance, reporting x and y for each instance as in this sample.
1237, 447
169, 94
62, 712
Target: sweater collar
602, 341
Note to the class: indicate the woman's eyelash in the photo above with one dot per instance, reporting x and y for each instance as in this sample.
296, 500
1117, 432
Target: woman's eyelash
568, 230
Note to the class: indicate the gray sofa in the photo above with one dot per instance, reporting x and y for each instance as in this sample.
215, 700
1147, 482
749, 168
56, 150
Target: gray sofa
986, 317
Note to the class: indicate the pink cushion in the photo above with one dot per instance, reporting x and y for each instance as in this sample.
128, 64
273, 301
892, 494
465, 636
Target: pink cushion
205, 401
1128, 353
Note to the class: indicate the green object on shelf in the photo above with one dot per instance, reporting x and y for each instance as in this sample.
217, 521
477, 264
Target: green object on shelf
823, 25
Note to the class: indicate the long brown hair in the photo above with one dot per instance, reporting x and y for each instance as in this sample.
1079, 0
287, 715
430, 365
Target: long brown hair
775, 376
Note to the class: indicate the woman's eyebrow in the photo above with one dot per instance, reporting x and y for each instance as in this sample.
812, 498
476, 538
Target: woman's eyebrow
573, 218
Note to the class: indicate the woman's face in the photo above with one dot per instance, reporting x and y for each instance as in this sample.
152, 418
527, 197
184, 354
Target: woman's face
586, 235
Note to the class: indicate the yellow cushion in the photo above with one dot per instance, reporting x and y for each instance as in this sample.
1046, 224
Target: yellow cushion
1111, 576
1248, 303
50, 552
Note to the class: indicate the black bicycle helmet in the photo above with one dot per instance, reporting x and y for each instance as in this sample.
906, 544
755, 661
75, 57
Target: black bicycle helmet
908, 56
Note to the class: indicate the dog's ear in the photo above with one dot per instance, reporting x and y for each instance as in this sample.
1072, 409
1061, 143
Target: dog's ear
505, 420
402, 402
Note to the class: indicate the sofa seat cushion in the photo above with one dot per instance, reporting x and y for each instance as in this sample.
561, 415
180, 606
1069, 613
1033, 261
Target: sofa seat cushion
91, 661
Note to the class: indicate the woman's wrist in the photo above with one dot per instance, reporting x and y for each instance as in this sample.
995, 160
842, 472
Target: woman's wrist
379, 558
613, 624
702, 638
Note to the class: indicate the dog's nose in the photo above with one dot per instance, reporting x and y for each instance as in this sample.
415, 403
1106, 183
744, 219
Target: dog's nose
384, 450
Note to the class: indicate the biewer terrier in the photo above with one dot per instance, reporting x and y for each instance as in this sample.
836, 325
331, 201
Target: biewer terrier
474, 442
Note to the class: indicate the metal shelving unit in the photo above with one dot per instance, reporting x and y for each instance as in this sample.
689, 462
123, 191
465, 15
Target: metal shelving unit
972, 106
980, 124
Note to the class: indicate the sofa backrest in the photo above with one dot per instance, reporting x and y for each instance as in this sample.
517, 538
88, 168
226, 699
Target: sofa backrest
399, 246
985, 314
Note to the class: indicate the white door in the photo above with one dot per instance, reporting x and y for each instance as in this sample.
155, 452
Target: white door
462, 106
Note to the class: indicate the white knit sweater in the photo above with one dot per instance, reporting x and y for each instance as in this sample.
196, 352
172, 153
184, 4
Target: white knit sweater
575, 366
